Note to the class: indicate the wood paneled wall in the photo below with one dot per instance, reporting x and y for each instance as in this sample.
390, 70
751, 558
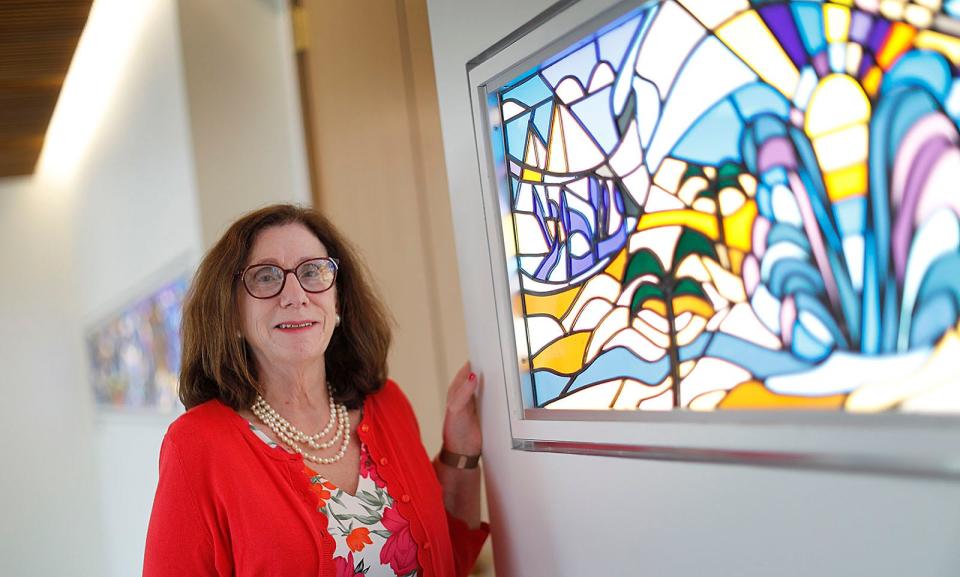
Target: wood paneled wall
378, 164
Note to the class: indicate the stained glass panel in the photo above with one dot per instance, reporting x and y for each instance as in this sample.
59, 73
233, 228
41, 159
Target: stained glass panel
741, 205
135, 353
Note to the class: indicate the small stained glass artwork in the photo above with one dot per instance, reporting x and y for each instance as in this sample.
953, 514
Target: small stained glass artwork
740, 205
135, 354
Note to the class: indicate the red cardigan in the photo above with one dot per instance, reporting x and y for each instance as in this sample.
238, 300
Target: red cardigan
230, 505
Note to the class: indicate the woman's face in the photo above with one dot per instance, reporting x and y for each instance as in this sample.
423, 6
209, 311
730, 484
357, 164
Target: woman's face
292, 329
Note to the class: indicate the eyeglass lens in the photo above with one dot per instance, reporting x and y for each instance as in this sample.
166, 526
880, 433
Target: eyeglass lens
265, 281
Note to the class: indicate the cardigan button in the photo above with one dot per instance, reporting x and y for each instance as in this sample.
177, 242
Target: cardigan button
405, 498
364, 428
384, 461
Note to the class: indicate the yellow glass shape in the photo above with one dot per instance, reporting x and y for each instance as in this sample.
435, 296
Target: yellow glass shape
846, 182
750, 39
564, 355
899, 39
836, 23
949, 46
753, 395
556, 151
738, 227
871, 81
617, 265
555, 305
699, 221
692, 304
532, 157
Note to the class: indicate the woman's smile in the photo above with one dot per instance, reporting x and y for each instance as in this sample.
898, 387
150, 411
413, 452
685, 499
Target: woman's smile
295, 326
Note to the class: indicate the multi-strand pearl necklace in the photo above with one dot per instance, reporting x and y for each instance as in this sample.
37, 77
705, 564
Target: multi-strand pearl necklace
293, 437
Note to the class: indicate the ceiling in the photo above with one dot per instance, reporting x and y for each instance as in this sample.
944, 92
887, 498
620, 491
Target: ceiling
37, 41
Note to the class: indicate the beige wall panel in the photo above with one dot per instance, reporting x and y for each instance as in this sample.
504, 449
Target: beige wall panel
380, 169
437, 213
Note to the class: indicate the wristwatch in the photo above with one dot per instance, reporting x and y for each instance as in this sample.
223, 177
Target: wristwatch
458, 461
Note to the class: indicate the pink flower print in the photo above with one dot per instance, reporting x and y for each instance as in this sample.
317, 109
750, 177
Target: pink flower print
400, 551
346, 568
368, 469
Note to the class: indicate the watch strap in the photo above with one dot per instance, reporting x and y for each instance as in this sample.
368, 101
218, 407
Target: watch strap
458, 461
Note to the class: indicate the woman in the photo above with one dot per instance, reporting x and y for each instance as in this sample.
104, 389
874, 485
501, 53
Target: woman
297, 456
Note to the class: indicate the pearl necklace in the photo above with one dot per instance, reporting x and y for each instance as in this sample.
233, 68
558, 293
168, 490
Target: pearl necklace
292, 437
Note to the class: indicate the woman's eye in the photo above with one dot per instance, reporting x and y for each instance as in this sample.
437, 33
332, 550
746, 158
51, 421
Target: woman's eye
311, 271
266, 275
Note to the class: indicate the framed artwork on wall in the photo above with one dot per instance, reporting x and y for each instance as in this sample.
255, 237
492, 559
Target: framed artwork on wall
729, 230
134, 353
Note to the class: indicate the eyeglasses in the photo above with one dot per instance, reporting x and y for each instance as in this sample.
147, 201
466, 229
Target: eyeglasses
264, 281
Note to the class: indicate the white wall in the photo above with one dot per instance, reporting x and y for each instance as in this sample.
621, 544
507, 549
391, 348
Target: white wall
561, 515
50, 519
112, 201
244, 108
137, 227
193, 152
117, 198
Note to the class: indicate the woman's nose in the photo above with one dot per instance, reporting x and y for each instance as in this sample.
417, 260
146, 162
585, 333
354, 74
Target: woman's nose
292, 292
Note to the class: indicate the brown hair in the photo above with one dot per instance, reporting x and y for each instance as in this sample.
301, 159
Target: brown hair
216, 364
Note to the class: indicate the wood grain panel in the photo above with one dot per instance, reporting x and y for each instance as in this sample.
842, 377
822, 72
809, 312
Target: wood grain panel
37, 42
378, 158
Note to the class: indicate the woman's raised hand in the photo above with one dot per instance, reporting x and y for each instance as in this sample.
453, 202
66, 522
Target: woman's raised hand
461, 424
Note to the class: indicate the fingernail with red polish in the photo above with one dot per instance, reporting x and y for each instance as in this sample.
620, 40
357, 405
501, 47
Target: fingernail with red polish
472, 377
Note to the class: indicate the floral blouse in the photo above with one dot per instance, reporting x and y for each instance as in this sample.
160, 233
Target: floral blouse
372, 537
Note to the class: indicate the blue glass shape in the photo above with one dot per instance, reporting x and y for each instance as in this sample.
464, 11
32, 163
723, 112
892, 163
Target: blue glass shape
760, 361
713, 138
541, 120
517, 129
808, 347
756, 99
594, 113
547, 385
621, 362
809, 20
531, 92
613, 45
952, 7
579, 64
781, 232
851, 214
801, 276
932, 318
920, 68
